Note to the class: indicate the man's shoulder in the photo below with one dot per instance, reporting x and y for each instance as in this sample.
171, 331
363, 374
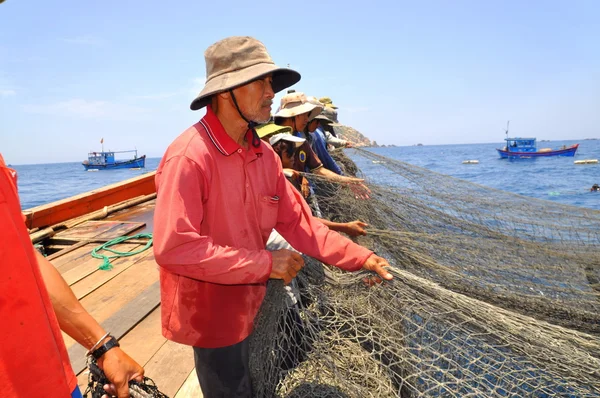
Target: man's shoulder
191, 144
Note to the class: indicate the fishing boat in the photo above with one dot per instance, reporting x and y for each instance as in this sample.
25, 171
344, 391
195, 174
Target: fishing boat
106, 161
525, 148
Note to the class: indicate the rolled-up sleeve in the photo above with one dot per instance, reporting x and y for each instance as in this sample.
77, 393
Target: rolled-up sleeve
336, 142
309, 236
179, 245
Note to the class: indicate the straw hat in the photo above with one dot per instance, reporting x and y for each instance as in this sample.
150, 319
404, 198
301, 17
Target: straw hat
296, 103
236, 61
286, 137
268, 129
327, 102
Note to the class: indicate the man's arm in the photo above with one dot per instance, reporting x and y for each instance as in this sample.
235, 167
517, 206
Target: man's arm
335, 141
353, 228
75, 321
356, 184
179, 245
310, 236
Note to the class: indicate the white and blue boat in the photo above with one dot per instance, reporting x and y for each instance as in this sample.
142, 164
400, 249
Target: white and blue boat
106, 161
523, 148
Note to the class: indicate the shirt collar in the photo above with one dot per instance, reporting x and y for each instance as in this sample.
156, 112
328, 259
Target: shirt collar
219, 137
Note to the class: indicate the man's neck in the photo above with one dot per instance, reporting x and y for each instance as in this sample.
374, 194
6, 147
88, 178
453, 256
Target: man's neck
234, 125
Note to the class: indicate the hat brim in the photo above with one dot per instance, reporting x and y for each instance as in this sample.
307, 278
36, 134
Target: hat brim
272, 129
312, 110
323, 118
282, 79
298, 141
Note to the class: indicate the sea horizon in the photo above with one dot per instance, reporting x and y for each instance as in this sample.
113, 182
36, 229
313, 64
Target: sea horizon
379, 145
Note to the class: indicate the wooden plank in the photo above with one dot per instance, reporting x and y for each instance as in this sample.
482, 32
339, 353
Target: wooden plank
90, 265
190, 388
87, 230
98, 242
117, 293
122, 322
125, 228
73, 258
66, 251
75, 206
171, 366
98, 278
99, 230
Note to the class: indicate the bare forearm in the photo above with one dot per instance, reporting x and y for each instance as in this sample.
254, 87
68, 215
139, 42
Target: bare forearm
73, 319
330, 175
334, 226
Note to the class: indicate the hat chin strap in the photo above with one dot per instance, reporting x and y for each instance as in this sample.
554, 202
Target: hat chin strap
251, 124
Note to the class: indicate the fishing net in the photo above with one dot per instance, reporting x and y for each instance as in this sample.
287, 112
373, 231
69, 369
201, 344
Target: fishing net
97, 379
494, 295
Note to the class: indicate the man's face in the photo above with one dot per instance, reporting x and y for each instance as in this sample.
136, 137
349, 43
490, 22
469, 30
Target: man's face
301, 121
255, 99
287, 160
286, 151
312, 126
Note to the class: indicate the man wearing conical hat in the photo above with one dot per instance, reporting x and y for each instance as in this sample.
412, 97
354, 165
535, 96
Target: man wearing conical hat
221, 191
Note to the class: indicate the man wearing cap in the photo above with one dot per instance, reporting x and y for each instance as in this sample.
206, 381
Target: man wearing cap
317, 140
221, 191
327, 125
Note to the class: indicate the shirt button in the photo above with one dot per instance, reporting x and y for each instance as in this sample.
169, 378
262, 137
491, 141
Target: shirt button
240, 150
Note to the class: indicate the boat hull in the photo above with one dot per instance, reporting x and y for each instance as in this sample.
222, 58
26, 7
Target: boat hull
79, 205
136, 163
570, 151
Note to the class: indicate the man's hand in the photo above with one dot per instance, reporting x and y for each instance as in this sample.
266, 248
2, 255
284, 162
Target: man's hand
349, 144
286, 265
355, 228
305, 188
376, 264
119, 368
291, 173
360, 190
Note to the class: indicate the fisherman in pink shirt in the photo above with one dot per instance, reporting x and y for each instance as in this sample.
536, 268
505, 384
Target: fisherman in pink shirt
221, 191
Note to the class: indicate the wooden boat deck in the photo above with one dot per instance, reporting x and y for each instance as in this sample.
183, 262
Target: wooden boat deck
125, 300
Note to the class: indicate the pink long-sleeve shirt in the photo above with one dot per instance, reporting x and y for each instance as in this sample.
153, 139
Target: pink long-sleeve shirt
217, 204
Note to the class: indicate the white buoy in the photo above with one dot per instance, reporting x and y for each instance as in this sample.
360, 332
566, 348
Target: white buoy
470, 161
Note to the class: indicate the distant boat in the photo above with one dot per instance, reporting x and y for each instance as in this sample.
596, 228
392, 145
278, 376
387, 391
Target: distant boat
525, 148
107, 161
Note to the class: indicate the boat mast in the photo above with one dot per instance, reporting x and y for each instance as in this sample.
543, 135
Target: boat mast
506, 132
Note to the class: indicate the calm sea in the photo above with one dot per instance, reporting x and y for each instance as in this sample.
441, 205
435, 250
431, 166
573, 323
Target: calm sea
553, 178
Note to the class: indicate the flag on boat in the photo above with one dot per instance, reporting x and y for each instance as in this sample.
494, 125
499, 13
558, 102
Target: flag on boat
102, 140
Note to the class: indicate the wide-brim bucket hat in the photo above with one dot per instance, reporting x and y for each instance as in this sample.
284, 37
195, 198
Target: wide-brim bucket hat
331, 115
323, 118
296, 103
236, 61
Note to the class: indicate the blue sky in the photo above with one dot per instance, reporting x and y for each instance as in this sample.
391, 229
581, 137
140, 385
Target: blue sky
434, 72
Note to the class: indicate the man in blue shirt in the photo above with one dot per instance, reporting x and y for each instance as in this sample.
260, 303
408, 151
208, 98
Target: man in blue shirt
319, 145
